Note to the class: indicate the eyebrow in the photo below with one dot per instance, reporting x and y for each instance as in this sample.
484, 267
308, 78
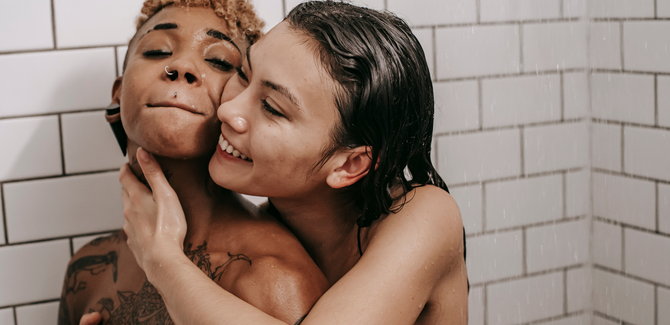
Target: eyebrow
282, 90
219, 35
162, 26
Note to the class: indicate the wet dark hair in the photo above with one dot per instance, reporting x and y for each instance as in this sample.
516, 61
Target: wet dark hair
384, 97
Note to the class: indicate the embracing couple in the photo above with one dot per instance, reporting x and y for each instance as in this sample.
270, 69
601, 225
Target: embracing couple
330, 116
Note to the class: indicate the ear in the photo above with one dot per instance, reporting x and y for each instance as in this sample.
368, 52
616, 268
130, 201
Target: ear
116, 90
351, 166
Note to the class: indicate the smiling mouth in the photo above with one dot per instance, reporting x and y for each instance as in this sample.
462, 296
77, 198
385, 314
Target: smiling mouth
227, 147
185, 107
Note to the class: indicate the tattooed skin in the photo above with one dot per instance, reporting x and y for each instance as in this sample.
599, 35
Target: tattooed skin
94, 264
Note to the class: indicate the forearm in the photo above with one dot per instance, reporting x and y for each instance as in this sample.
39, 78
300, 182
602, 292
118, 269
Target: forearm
192, 298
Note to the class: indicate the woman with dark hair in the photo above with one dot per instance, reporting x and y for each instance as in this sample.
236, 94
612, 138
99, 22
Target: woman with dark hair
330, 117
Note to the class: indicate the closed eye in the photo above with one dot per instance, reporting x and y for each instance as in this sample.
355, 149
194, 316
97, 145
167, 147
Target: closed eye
271, 110
219, 64
241, 74
156, 53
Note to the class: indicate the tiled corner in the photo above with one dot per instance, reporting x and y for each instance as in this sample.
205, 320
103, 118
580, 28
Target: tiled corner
623, 97
645, 46
526, 300
663, 300
271, 11
597, 320
495, 10
105, 23
523, 201
456, 106
554, 46
426, 12
60, 77
476, 50
43, 272
621, 8
89, 143
663, 93
644, 262
558, 245
494, 256
607, 241
555, 147
579, 289
611, 200
476, 307
37, 314
607, 142
425, 37
664, 208
578, 189
521, 100
583, 319
469, 200
67, 206
25, 25
30, 148
575, 95
605, 45
624, 298
479, 156
647, 152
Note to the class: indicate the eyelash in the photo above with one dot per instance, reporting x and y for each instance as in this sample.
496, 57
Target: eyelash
241, 74
156, 53
270, 110
219, 64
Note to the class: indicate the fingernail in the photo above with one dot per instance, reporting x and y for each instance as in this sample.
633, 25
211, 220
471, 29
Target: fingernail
142, 154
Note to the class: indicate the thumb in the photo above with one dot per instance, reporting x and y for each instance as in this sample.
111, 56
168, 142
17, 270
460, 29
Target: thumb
93, 318
154, 174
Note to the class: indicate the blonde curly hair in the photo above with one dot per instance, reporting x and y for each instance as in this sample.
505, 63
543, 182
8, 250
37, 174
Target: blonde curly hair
239, 14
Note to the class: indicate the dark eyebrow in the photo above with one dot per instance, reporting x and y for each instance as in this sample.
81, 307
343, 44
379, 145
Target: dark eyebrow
165, 26
219, 35
282, 90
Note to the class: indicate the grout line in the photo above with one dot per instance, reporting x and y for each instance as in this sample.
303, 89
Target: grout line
62, 148
61, 238
565, 195
31, 303
486, 304
638, 125
656, 304
609, 20
16, 320
630, 226
51, 113
656, 100
501, 23
512, 127
561, 9
71, 247
519, 177
544, 321
60, 176
106, 46
478, 7
529, 275
623, 247
4, 214
531, 225
630, 276
434, 36
621, 44
524, 258
522, 74
480, 105
565, 292
53, 24
623, 147
610, 318
639, 72
658, 214
523, 163
655, 9
562, 98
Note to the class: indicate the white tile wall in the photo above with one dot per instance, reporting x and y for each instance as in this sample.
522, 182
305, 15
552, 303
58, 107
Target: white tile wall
3, 240
645, 46
42, 273
579, 289
425, 37
577, 196
30, 148
663, 93
476, 50
621, 8
495, 10
663, 301
375, 4
7, 316
663, 8
37, 314
89, 144
664, 208
558, 245
476, 308
469, 200
272, 12
574, 320
624, 298
607, 144
104, 23
605, 45
25, 25
607, 245
523, 201
597, 320
59, 81
623, 97
647, 152
612, 199
456, 106
494, 256
525, 300
575, 95
67, 206
652, 264
555, 147
426, 12
574, 8
479, 156
521, 100
554, 46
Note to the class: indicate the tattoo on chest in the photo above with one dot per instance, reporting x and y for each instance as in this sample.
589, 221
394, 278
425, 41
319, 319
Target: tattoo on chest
145, 306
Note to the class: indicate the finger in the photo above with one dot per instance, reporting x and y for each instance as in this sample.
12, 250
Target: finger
154, 174
129, 182
90, 319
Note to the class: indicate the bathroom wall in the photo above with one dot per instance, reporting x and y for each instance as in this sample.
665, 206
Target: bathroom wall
513, 141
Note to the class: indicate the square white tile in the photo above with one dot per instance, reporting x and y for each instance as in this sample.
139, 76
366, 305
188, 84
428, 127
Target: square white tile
428, 12
579, 289
624, 298
494, 256
25, 25
37, 314
575, 95
607, 142
558, 245
578, 193
646, 256
605, 45
30, 148
612, 200
647, 152
623, 97
554, 46
645, 46
621, 8
526, 300
555, 147
496, 10
456, 106
607, 249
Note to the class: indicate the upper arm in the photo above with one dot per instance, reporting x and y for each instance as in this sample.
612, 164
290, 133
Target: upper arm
408, 255
284, 289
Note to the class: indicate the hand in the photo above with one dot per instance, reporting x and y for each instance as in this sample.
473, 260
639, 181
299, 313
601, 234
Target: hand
154, 222
93, 318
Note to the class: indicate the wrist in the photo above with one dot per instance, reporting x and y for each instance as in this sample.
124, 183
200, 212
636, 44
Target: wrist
160, 261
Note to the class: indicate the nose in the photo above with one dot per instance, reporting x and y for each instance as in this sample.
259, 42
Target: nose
183, 70
230, 114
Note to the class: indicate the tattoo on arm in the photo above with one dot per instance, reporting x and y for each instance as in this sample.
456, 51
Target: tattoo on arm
93, 264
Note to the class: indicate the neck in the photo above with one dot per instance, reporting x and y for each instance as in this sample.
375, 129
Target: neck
326, 227
196, 191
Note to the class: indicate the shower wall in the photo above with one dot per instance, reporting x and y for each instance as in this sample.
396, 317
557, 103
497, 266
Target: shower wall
529, 109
